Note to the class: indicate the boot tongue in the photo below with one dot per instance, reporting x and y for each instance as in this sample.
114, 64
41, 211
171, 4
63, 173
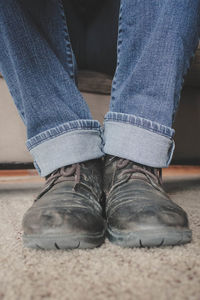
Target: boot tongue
128, 164
71, 172
110, 159
125, 166
119, 169
138, 171
67, 173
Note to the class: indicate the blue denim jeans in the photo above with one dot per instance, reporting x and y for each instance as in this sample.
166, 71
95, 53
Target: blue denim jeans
156, 41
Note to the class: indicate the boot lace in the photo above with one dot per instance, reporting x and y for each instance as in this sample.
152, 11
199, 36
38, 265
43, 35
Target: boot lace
67, 173
136, 171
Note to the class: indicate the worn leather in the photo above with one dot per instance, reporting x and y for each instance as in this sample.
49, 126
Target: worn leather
136, 200
69, 203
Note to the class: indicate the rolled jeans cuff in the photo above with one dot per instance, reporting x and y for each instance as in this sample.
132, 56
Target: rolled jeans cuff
138, 139
69, 143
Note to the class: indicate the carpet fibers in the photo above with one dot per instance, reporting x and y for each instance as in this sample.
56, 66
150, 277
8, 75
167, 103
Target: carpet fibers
108, 272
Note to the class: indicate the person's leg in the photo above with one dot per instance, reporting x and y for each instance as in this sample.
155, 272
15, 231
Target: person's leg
156, 40
39, 67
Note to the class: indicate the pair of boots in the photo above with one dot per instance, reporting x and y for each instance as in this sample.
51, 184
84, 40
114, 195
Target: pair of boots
114, 197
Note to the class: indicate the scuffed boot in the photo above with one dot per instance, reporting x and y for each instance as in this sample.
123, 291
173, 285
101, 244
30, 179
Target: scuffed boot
138, 210
67, 214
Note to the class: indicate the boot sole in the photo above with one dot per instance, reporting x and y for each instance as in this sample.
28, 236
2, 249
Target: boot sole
152, 237
63, 242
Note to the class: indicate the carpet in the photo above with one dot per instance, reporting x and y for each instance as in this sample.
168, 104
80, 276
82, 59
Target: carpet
108, 272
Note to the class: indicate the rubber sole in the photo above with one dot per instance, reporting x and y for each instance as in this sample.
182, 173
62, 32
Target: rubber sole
152, 237
50, 242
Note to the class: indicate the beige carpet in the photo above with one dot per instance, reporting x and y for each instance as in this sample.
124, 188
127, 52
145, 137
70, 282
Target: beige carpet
108, 272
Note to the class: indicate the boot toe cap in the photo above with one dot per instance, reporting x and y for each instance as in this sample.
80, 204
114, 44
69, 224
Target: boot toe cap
61, 220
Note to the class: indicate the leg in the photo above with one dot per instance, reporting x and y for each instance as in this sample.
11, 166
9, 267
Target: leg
38, 65
37, 62
155, 43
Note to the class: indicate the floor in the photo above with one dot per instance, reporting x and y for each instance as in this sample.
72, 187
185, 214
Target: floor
108, 272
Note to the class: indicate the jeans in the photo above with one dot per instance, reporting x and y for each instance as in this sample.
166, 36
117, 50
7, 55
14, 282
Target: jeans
156, 41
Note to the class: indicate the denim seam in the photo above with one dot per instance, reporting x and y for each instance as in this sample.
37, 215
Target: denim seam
142, 127
140, 122
171, 151
37, 167
136, 120
119, 42
64, 132
182, 79
69, 50
102, 138
31, 144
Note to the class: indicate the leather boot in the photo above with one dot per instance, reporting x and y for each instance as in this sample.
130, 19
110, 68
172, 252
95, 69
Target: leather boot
67, 214
139, 212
